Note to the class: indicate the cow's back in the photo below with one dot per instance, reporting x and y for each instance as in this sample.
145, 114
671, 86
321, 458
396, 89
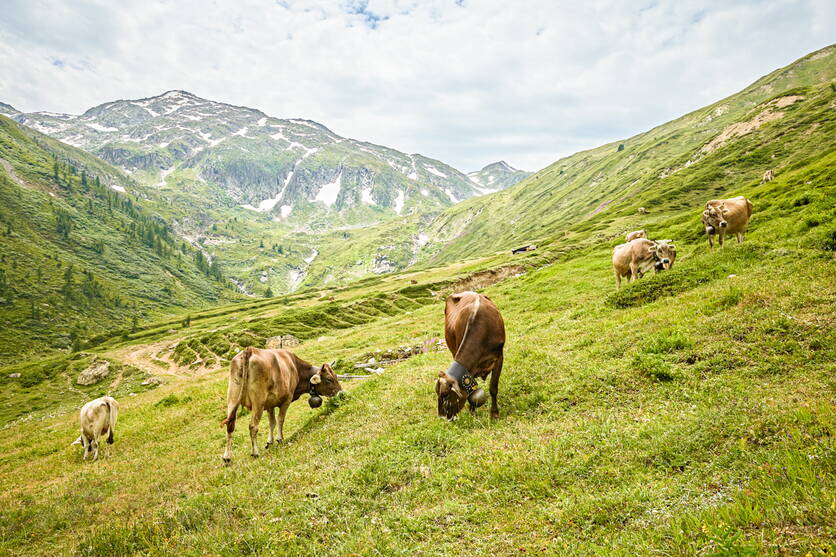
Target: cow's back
621, 255
740, 211
272, 375
470, 313
94, 418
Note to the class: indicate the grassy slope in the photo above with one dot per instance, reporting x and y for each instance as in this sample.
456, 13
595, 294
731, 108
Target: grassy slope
594, 190
131, 278
691, 413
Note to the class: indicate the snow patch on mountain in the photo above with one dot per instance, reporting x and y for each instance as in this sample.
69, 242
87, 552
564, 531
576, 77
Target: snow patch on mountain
328, 193
101, 128
435, 171
399, 201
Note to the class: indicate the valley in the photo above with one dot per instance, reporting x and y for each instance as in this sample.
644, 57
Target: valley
689, 413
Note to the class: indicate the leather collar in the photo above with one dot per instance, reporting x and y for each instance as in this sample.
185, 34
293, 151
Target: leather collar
463, 377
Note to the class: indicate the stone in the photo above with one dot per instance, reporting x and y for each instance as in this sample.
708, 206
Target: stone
282, 341
152, 381
14, 375
97, 371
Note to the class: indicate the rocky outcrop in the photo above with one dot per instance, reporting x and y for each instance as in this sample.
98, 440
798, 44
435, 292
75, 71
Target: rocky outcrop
282, 341
97, 371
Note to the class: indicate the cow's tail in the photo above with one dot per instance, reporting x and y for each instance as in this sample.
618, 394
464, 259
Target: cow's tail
112, 414
229, 421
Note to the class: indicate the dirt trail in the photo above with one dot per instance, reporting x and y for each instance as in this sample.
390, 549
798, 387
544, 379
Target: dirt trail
11, 172
147, 356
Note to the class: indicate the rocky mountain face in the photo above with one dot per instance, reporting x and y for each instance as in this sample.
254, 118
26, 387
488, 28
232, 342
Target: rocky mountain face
8, 110
264, 164
497, 176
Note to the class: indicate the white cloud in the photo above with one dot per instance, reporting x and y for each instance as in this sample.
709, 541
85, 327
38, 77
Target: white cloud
467, 82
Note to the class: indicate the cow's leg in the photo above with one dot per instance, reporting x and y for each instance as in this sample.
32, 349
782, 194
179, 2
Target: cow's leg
87, 446
271, 437
634, 272
497, 369
282, 412
710, 233
95, 447
617, 280
254, 421
721, 237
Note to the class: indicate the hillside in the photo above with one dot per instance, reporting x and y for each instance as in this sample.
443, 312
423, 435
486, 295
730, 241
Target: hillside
690, 413
79, 257
777, 123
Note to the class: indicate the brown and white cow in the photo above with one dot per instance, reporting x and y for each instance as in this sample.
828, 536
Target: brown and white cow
475, 334
726, 216
264, 379
639, 256
97, 418
636, 234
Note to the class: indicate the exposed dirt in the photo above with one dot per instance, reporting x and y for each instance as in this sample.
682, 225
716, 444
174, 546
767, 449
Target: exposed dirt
11, 172
147, 356
482, 279
738, 129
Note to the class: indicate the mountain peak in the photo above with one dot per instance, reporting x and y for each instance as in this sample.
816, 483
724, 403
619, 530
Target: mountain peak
8, 110
497, 176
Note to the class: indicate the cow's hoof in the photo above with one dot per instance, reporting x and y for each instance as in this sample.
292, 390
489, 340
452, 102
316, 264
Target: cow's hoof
255, 455
494, 415
267, 446
227, 461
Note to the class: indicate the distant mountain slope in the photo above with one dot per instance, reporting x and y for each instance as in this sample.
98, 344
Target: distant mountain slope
779, 122
266, 164
8, 110
497, 176
79, 258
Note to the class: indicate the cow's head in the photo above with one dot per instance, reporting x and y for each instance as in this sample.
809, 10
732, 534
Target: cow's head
665, 253
452, 397
715, 215
325, 381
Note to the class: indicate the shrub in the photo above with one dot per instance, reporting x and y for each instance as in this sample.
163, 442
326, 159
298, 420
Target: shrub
667, 342
653, 366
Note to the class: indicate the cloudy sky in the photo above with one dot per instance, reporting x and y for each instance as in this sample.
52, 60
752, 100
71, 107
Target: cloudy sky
465, 81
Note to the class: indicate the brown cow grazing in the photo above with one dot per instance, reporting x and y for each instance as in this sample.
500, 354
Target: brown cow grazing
265, 379
97, 418
726, 216
638, 256
475, 335
633, 235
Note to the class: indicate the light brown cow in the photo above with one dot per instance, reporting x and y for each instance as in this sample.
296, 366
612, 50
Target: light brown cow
638, 256
97, 418
263, 379
475, 334
726, 216
633, 235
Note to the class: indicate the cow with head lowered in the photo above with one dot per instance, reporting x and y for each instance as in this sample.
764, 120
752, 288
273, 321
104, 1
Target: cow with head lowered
475, 335
726, 216
637, 257
266, 379
635, 234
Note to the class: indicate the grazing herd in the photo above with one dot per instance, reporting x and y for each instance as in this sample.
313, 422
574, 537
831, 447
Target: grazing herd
266, 379
639, 254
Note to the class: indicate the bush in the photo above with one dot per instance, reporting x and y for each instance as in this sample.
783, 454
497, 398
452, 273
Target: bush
667, 342
653, 366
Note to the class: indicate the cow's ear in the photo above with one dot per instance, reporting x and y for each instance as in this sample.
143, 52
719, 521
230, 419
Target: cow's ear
316, 378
